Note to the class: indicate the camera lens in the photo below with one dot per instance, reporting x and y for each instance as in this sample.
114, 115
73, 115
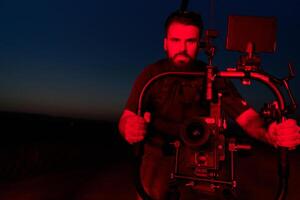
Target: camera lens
195, 133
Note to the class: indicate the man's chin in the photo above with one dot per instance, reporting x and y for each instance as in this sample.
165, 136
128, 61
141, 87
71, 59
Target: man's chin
181, 63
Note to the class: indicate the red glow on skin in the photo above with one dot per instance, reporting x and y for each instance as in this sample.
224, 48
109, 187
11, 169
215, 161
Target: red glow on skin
182, 43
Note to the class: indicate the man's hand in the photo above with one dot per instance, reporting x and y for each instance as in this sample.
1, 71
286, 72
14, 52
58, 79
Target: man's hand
284, 134
134, 127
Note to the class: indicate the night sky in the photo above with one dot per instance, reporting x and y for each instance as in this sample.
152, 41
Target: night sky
80, 58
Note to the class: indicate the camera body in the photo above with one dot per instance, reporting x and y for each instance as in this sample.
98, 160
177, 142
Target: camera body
201, 152
203, 147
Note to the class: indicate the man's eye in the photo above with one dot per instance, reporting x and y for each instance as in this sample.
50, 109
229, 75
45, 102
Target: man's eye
175, 40
192, 41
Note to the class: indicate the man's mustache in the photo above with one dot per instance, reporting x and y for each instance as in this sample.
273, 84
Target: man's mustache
183, 53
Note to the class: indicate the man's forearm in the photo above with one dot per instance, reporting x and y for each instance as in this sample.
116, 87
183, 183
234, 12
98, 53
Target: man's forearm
253, 125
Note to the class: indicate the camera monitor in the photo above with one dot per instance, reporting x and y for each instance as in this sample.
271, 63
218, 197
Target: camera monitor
244, 29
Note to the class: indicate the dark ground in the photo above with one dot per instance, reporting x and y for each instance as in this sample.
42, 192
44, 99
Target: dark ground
47, 158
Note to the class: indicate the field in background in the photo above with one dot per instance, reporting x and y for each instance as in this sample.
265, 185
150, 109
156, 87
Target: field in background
44, 157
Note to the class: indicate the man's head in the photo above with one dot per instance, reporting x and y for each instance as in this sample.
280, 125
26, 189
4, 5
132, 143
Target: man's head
182, 39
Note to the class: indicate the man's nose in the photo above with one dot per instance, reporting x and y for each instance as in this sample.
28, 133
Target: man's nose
182, 46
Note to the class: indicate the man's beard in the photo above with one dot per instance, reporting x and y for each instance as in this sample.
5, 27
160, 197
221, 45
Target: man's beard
181, 63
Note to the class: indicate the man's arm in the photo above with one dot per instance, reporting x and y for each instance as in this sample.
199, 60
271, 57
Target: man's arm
284, 134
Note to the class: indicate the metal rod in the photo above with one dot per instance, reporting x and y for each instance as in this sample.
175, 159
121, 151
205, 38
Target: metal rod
203, 179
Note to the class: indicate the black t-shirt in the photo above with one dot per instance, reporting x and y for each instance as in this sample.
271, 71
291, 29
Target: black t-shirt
172, 100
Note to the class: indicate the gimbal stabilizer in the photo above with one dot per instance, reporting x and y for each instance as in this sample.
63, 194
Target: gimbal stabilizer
198, 130
243, 72
272, 83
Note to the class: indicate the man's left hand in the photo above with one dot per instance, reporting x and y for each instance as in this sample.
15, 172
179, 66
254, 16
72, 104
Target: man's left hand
284, 134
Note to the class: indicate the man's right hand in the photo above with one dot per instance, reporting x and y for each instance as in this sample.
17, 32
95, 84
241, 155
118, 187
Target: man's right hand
133, 127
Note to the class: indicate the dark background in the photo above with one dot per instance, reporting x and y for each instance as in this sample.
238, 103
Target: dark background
66, 69
80, 58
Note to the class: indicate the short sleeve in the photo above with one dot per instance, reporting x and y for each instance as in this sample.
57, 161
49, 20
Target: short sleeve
232, 102
138, 86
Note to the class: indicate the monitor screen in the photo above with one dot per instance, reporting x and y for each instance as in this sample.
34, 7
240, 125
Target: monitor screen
244, 29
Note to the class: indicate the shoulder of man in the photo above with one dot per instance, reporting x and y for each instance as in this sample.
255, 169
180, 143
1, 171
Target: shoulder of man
201, 63
155, 68
198, 65
159, 65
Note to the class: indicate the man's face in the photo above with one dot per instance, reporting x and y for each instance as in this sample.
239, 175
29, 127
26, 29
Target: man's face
182, 43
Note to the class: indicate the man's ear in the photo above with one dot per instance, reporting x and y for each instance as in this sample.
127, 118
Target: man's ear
165, 44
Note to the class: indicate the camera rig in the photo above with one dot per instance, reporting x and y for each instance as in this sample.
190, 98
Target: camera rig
203, 147
203, 139
204, 155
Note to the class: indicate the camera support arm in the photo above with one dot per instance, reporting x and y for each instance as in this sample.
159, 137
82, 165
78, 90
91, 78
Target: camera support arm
268, 80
